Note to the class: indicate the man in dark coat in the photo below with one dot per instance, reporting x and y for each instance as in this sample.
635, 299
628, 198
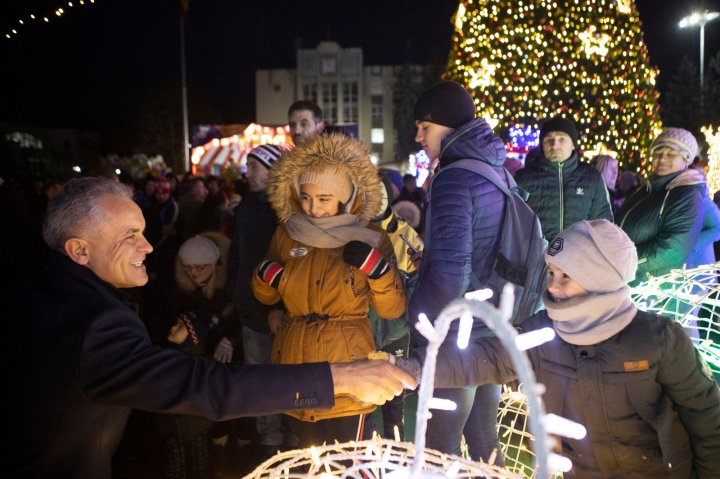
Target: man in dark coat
562, 189
462, 236
80, 357
255, 224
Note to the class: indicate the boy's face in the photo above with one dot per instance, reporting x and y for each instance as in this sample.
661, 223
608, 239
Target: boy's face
430, 136
178, 332
561, 286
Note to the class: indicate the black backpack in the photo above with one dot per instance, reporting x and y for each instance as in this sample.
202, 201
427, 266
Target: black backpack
521, 253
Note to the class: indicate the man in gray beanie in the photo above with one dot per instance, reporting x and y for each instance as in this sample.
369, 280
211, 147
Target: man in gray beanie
633, 379
462, 235
562, 189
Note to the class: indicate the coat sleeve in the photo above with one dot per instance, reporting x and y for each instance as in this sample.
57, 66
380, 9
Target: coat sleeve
484, 361
710, 231
263, 292
387, 293
120, 366
677, 235
464, 221
695, 396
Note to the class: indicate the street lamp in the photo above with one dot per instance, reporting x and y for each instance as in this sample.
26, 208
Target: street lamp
700, 19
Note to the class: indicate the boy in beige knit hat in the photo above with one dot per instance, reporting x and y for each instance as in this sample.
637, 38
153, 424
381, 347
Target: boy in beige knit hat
633, 379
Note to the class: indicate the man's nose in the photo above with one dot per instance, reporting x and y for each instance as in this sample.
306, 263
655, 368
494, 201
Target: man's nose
146, 246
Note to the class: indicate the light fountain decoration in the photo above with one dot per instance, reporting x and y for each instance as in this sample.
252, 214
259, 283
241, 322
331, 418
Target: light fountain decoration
388, 459
692, 298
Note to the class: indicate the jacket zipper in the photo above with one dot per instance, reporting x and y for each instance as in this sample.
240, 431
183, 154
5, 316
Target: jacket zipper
649, 190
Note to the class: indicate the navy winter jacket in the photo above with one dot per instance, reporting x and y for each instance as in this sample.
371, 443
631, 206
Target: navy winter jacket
563, 193
466, 213
80, 359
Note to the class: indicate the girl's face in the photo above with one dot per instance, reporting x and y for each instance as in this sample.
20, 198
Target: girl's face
178, 333
318, 202
561, 286
199, 273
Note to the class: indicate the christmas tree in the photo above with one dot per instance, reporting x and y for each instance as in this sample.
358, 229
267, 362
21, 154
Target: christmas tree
527, 60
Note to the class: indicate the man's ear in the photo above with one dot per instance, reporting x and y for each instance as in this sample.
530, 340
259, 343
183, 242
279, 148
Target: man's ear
320, 126
78, 250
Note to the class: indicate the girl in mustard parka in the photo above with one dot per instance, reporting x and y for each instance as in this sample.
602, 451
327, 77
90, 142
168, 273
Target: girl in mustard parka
327, 264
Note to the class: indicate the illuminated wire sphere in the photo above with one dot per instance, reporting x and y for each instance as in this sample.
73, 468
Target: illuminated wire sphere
692, 298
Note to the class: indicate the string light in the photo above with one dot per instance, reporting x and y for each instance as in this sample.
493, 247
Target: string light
712, 137
31, 18
527, 60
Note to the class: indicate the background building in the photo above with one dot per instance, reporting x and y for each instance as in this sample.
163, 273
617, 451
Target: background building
357, 97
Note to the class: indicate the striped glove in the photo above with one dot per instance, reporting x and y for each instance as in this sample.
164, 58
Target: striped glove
365, 258
270, 272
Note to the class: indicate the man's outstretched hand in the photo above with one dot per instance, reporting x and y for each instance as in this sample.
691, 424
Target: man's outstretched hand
373, 382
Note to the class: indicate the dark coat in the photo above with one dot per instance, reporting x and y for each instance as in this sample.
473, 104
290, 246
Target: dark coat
664, 217
654, 419
255, 224
466, 213
563, 193
80, 359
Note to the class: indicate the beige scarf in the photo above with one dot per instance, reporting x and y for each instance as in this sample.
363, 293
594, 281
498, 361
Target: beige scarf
591, 318
330, 231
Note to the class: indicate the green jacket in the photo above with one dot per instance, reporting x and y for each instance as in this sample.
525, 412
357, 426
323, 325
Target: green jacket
663, 217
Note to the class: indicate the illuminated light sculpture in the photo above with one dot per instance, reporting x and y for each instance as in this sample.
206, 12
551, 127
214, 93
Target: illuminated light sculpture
586, 60
692, 298
713, 175
594, 43
383, 458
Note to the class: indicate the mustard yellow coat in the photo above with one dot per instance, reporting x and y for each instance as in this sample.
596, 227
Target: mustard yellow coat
327, 301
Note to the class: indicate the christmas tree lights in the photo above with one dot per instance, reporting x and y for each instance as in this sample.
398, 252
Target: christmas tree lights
527, 60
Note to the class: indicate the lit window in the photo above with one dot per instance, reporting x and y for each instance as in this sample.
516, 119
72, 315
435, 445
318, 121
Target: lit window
377, 135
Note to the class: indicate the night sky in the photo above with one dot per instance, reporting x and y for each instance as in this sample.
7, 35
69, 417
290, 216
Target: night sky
99, 64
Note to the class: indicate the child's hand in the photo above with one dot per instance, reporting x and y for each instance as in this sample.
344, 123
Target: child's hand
224, 351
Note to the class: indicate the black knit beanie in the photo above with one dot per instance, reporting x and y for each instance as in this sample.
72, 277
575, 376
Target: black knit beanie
561, 124
447, 104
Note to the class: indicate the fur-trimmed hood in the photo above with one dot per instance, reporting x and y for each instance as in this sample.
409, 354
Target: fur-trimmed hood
326, 151
219, 278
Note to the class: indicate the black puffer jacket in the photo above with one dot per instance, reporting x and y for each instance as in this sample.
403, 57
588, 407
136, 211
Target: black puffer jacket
649, 406
563, 193
663, 217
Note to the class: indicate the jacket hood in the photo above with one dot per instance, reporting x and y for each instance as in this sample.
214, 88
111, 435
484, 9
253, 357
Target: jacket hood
326, 151
219, 278
688, 177
473, 140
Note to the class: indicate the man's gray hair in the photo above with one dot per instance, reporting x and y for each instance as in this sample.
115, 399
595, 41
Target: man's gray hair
76, 206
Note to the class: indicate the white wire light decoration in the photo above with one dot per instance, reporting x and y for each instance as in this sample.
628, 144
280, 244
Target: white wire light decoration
692, 298
388, 459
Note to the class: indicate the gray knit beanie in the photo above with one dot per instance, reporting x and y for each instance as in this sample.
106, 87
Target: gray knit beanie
198, 250
598, 255
679, 140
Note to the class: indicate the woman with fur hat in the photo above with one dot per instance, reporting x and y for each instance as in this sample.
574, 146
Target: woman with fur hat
663, 216
633, 379
327, 264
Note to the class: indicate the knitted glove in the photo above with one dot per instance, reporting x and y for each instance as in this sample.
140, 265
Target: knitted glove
224, 351
409, 365
270, 272
365, 258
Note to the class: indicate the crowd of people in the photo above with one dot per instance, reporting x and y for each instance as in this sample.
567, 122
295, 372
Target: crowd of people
202, 302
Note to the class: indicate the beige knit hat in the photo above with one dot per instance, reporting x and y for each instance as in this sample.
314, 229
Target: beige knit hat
679, 140
335, 180
598, 255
